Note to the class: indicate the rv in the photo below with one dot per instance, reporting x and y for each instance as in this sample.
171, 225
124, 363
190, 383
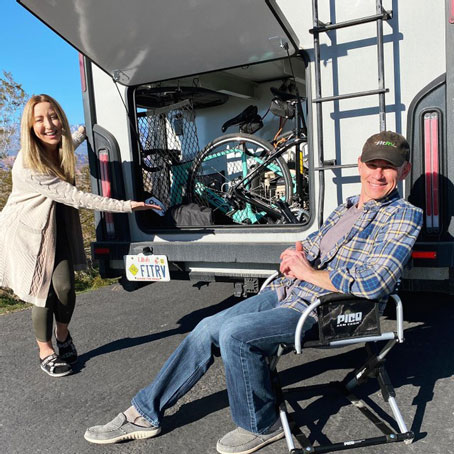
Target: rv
245, 120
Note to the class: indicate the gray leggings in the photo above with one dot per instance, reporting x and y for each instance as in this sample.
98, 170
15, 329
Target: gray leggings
60, 300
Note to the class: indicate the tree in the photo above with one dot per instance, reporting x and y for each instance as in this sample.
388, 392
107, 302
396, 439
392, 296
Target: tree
12, 101
6, 183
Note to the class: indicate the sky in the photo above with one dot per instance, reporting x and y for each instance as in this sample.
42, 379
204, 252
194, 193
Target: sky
39, 59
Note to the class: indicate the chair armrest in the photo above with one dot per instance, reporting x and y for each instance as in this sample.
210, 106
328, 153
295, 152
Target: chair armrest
269, 279
300, 324
399, 317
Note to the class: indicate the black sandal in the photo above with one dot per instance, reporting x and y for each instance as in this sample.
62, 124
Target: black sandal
67, 350
55, 366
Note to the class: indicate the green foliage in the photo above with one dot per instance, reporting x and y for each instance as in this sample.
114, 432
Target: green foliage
6, 184
10, 303
12, 101
91, 280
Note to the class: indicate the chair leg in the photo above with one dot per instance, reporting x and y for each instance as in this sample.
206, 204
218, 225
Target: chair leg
389, 395
370, 367
273, 361
286, 427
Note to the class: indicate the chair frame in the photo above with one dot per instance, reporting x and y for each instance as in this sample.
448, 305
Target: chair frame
373, 368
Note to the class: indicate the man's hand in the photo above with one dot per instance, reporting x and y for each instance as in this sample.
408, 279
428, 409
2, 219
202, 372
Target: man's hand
294, 264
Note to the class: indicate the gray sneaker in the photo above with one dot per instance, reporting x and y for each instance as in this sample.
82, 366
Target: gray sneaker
119, 429
241, 441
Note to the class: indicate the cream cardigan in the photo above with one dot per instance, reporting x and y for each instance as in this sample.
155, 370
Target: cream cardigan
28, 230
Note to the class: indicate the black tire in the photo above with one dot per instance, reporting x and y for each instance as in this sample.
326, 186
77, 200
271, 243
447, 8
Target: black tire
209, 182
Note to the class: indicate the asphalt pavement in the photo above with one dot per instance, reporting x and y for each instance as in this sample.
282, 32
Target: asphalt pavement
123, 338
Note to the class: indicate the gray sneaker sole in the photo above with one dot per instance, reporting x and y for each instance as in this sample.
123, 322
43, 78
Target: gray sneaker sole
138, 435
255, 448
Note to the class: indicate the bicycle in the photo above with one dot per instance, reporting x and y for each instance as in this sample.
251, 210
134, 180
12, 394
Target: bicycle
246, 178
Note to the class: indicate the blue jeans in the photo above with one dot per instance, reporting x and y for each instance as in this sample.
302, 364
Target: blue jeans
246, 334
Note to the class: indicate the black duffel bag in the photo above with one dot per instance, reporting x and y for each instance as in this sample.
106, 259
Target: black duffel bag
188, 215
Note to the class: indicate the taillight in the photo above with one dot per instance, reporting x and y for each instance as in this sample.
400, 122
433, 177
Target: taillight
106, 190
83, 80
431, 170
424, 254
101, 251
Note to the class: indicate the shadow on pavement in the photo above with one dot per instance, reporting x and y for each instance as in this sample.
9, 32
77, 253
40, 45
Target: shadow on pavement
420, 362
187, 323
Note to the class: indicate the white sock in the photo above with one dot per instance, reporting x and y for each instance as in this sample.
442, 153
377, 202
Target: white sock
132, 415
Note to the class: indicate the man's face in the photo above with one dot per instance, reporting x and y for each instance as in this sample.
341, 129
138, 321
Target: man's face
379, 178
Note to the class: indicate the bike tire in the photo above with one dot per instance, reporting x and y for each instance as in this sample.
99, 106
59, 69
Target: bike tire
223, 163
288, 137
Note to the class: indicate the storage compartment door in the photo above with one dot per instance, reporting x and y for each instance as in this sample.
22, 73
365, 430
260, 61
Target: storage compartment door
141, 41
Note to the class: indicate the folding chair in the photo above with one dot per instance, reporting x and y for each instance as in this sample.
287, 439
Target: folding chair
346, 320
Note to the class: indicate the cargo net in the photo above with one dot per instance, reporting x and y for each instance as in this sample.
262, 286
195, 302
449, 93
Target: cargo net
169, 142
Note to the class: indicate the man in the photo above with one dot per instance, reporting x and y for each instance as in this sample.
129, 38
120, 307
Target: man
361, 249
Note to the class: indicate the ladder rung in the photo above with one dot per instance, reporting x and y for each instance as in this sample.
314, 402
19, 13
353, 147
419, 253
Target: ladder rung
338, 166
386, 15
352, 95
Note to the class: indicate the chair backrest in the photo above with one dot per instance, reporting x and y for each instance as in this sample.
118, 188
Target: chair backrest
346, 319
340, 318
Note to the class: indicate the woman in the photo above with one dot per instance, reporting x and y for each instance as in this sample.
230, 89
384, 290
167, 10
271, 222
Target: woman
40, 233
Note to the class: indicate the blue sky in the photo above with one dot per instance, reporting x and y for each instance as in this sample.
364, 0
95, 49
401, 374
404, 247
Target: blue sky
39, 59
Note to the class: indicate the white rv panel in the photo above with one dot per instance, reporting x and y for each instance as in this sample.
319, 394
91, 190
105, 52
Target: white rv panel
140, 41
414, 55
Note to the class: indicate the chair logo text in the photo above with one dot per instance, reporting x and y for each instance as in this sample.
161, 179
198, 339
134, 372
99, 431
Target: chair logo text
349, 319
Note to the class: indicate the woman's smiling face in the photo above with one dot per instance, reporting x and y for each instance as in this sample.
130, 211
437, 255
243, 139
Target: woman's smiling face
47, 126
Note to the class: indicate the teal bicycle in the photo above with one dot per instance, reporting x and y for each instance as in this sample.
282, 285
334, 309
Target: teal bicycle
247, 179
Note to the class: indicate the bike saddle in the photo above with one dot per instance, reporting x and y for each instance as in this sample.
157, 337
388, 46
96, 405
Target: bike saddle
250, 114
284, 95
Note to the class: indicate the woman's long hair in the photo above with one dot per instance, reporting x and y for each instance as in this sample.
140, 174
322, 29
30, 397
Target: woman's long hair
35, 156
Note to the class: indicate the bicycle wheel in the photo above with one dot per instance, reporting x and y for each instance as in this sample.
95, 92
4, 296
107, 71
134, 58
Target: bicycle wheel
290, 155
233, 176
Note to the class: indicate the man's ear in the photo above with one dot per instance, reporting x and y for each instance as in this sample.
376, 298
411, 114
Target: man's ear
404, 171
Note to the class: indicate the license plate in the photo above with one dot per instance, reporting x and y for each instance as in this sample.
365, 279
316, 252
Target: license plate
142, 267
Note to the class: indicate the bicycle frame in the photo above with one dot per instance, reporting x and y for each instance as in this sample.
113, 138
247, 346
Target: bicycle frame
237, 190
240, 191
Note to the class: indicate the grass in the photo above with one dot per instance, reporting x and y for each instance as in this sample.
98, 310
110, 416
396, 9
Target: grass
9, 303
91, 280
84, 282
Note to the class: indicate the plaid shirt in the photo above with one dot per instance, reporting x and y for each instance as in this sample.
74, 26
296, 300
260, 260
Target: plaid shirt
367, 261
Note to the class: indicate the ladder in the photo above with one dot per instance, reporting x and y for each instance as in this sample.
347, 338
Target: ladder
318, 28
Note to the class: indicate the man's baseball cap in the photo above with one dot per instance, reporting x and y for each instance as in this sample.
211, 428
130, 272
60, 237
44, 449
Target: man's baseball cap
386, 145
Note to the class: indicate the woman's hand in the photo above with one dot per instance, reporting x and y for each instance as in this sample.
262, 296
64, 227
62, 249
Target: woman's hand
81, 129
142, 206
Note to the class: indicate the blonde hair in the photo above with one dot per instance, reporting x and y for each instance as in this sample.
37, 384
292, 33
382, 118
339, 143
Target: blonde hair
35, 156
